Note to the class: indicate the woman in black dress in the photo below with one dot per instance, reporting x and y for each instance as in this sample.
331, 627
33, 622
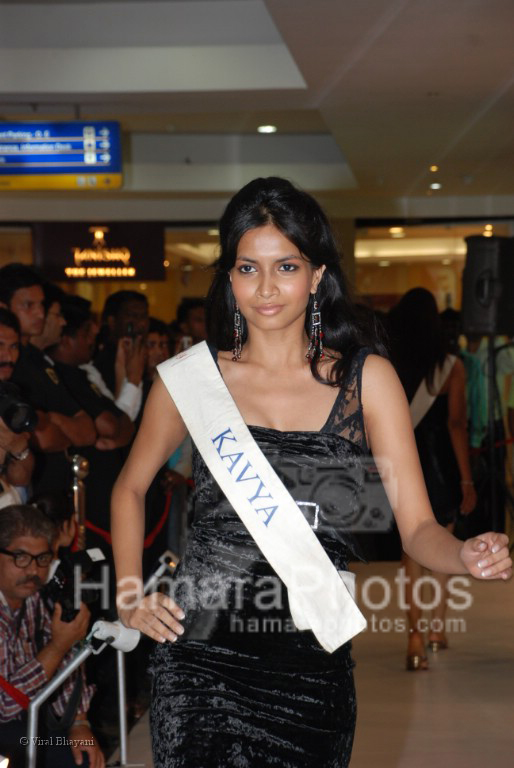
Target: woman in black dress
419, 352
235, 684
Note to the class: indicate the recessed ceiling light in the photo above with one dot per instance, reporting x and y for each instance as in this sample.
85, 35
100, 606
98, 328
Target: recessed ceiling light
488, 233
396, 230
166, 263
488, 227
213, 232
436, 185
267, 129
434, 168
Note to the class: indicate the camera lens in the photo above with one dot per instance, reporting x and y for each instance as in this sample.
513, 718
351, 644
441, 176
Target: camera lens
20, 417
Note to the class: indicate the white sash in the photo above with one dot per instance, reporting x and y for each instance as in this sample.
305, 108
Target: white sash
423, 399
318, 597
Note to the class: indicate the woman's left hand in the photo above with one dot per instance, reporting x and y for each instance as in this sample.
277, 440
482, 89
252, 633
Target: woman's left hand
487, 556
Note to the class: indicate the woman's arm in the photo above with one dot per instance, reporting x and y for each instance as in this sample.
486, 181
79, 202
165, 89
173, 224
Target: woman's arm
161, 431
457, 427
391, 438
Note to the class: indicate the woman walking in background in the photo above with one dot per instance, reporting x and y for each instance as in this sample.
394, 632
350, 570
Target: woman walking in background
435, 384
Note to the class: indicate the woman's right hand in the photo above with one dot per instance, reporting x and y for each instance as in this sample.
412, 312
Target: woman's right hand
156, 615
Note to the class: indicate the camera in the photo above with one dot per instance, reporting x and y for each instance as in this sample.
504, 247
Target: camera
17, 415
61, 587
131, 331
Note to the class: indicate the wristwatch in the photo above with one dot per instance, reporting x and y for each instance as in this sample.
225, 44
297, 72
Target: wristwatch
21, 455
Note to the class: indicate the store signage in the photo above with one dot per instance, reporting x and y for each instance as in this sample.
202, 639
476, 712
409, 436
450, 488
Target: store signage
78, 155
121, 251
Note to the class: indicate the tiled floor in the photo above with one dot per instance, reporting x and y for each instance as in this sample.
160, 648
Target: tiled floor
458, 714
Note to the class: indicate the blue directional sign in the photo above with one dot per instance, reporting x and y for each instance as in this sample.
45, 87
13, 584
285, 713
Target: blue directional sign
79, 155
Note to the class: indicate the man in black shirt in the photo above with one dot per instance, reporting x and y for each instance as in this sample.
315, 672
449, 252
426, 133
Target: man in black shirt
62, 423
114, 428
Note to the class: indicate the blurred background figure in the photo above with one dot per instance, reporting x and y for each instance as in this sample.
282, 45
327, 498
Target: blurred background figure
157, 346
476, 360
16, 458
54, 319
61, 423
121, 350
437, 381
189, 326
452, 329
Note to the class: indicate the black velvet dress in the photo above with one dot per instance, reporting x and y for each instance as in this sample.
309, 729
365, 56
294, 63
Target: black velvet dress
438, 462
242, 687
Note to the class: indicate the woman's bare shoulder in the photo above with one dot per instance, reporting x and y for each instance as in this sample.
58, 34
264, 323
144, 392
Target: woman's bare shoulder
378, 372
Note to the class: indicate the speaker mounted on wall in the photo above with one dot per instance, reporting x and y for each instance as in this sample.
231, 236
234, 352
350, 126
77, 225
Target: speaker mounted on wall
488, 286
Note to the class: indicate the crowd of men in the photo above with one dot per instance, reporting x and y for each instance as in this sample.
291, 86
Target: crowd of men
70, 384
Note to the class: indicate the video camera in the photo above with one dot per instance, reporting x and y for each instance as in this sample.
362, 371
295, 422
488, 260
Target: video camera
17, 415
61, 587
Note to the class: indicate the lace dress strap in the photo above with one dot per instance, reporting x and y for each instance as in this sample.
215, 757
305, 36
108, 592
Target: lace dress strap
346, 419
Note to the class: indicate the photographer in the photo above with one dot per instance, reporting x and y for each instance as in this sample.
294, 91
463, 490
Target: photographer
61, 424
16, 459
35, 645
119, 363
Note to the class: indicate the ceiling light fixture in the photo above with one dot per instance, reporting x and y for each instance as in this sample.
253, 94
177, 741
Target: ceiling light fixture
434, 168
267, 129
395, 230
436, 185
488, 233
488, 227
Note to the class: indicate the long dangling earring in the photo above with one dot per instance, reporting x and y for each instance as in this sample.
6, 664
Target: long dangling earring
316, 338
236, 351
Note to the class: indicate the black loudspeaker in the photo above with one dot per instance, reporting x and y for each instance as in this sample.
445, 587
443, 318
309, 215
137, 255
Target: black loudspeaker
488, 286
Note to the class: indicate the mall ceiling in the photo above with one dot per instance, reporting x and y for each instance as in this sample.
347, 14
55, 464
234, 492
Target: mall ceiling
366, 95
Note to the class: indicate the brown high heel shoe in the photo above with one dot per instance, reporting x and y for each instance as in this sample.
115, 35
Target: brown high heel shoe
416, 661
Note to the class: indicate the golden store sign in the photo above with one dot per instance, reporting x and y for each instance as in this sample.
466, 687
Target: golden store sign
99, 260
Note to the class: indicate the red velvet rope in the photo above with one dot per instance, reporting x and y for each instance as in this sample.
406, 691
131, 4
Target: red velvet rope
19, 697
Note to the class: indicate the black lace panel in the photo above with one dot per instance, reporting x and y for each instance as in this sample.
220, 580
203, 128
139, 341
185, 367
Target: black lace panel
346, 419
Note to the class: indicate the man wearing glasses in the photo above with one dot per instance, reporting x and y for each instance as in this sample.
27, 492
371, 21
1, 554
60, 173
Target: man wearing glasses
34, 645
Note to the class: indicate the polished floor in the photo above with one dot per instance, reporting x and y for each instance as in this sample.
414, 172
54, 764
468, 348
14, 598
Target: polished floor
458, 714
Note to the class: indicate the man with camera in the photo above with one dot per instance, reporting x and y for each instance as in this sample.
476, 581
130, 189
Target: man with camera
16, 458
34, 645
121, 349
61, 423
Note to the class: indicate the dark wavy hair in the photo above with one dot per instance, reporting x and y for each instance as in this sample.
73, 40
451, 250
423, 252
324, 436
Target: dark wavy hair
418, 342
299, 218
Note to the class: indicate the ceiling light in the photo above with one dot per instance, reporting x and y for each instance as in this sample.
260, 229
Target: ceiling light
436, 185
488, 227
213, 232
166, 263
395, 230
267, 129
488, 233
434, 168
